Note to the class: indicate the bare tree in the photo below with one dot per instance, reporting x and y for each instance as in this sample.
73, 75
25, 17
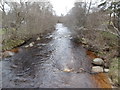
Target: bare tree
26, 19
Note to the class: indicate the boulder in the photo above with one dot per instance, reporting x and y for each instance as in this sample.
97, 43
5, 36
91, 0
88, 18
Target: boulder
97, 69
98, 61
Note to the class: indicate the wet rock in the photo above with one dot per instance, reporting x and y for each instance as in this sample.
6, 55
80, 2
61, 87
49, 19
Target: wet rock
98, 61
106, 70
97, 69
38, 39
67, 70
14, 66
71, 38
41, 44
26, 46
56, 38
31, 44
49, 37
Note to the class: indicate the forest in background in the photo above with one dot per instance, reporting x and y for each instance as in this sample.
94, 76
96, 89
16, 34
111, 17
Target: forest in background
24, 20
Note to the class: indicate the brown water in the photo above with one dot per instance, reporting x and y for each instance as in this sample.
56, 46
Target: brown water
45, 65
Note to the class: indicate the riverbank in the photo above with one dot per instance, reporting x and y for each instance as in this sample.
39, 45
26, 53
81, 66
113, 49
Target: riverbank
103, 45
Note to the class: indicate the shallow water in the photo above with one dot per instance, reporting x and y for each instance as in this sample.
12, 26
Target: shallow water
45, 65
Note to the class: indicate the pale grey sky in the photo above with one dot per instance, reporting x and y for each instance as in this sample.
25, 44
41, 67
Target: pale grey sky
60, 6
63, 6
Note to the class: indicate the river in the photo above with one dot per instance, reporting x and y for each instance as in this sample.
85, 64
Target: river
59, 63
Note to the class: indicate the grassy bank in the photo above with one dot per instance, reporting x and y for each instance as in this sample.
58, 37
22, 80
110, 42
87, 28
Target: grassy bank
105, 45
10, 44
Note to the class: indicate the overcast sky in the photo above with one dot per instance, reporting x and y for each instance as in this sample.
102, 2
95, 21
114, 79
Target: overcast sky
63, 6
60, 6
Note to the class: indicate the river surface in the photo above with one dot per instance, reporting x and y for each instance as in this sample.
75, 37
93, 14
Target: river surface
58, 63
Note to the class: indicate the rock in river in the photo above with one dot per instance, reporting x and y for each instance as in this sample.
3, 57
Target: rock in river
98, 61
97, 69
67, 70
8, 54
13, 66
38, 38
106, 70
31, 44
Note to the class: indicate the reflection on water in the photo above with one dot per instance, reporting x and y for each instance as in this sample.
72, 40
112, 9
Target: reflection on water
62, 45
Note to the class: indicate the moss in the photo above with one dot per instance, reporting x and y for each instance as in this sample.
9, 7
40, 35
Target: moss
9, 44
109, 35
2, 31
110, 38
114, 71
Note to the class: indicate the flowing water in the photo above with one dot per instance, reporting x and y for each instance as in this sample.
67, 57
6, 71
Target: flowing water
57, 64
